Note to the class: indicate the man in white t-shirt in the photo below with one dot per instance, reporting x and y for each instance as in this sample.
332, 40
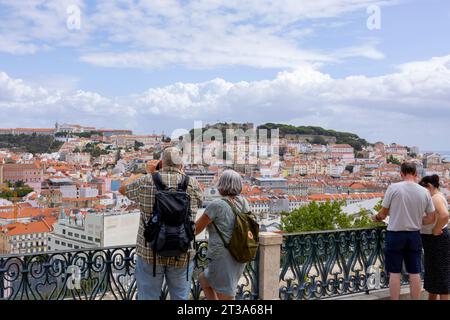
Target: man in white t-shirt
406, 203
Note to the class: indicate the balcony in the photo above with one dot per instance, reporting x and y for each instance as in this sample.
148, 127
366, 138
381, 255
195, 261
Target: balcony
310, 265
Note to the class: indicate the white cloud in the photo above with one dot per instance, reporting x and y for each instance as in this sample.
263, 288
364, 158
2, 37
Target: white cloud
194, 34
412, 105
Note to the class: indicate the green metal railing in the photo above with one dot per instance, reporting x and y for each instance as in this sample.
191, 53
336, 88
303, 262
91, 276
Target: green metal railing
317, 265
94, 274
314, 265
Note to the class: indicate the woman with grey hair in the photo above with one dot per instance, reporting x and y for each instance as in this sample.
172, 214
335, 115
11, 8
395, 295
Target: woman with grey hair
219, 280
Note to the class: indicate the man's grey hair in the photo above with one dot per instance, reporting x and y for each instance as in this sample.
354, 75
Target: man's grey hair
171, 157
230, 183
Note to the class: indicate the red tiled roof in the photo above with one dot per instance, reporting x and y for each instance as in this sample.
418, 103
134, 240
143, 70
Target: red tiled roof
18, 228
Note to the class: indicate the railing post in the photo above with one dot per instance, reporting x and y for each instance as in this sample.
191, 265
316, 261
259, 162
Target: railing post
269, 265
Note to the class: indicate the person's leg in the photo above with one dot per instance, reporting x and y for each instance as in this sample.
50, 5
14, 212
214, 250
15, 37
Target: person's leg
432, 296
224, 297
413, 264
415, 286
443, 296
148, 287
394, 285
179, 286
210, 294
393, 261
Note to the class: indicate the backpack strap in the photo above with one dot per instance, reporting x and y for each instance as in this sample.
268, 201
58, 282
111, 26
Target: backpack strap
158, 181
235, 211
183, 185
232, 206
220, 234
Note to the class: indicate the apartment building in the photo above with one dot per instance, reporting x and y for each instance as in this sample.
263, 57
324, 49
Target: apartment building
28, 237
30, 173
91, 230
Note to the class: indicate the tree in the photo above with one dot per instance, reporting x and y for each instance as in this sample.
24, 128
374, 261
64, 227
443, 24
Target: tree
19, 184
393, 160
325, 216
363, 219
316, 216
19, 189
137, 145
22, 192
319, 140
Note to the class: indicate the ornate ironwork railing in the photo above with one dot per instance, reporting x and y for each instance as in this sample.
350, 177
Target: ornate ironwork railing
316, 265
94, 274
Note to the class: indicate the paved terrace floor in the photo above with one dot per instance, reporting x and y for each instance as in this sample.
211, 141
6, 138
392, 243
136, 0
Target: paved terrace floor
382, 294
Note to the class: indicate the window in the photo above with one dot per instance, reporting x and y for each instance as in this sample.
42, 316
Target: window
77, 235
97, 240
70, 234
64, 231
90, 238
70, 245
49, 248
57, 242
76, 247
83, 237
63, 243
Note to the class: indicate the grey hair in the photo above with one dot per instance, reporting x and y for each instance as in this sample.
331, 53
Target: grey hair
230, 183
171, 157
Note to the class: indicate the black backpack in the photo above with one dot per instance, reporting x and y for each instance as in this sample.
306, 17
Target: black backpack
170, 231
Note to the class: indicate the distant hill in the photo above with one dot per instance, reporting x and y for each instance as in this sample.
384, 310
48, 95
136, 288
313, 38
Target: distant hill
30, 143
317, 135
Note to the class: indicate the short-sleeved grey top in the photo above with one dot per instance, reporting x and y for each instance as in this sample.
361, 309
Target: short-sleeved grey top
220, 212
408, 202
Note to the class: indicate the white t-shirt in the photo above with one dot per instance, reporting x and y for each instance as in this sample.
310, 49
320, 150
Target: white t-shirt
428, 228
407, 202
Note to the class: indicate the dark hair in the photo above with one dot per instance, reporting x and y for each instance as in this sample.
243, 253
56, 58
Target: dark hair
433, 180
408, 168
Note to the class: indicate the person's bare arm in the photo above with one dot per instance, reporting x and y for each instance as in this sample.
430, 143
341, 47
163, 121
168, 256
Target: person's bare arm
442, 215
429, 218
201, 223
381, 215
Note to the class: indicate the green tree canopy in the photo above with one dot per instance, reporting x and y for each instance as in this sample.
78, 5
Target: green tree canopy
324, 216
393, 160
30, 143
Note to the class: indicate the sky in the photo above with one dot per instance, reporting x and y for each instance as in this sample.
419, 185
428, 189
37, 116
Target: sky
380, 69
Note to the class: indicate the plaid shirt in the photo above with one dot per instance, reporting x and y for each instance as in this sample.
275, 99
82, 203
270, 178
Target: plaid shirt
143, 191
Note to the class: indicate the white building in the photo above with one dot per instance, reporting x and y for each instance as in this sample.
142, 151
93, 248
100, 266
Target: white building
88, 192
111, 228
69, 191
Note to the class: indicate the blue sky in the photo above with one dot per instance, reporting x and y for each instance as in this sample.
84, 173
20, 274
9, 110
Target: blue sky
161, 65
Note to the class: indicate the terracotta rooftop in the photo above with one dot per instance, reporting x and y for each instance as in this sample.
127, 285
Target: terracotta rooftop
18, 228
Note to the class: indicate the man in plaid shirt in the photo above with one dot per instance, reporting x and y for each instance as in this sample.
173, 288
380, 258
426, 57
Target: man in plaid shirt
174, 269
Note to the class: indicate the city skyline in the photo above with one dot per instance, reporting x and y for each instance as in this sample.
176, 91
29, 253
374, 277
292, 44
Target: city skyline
303, 64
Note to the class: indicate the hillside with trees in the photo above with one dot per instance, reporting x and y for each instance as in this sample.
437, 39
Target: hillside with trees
317, 132
30, 143
341, 137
